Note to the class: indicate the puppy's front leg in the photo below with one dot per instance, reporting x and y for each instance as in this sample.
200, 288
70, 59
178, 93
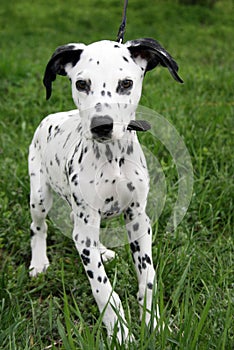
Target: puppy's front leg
140, 239
86, 238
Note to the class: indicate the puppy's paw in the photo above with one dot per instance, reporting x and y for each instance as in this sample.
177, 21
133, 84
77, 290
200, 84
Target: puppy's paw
106, 254
36, 269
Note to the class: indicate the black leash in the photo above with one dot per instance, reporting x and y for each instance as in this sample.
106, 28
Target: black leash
121, 31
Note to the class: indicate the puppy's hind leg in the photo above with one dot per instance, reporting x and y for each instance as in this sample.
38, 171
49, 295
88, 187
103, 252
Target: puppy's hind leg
40, 204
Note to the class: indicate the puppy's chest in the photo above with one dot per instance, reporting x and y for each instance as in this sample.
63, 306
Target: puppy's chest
111, 181
108, 188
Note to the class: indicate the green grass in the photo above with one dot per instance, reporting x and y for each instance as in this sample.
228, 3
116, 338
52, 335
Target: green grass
195, 266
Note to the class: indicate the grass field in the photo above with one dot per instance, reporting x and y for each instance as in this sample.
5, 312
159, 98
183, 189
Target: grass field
195, 264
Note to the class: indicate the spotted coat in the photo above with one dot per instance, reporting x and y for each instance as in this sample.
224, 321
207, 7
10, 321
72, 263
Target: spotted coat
92, 158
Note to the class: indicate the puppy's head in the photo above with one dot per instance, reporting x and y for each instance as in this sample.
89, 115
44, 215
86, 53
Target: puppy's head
106, 79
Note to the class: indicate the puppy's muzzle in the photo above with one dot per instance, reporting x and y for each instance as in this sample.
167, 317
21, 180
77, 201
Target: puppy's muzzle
101, 127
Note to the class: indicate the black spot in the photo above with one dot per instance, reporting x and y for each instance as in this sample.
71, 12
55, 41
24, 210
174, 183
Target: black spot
57, 130
57, 159
74, 177
108, 200
103, 93
31, 233
125, 59
90, 273
88, 242
98, 62
76, 199
98, 107
135, 227
147, 259
129, 234
99, 279
121, 161
85, 259
81, 215
129, 214
49, 132
116, 46
78, 129
135, 247
109, 93
76, 237
150, 285
96, 151
38, 228
99, 264
149, 231
130, 149
104, 280
130, 187
70, 167
86, 252
81, 156
109, 154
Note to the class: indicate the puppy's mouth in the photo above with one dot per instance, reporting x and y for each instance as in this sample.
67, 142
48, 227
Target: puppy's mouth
102, 139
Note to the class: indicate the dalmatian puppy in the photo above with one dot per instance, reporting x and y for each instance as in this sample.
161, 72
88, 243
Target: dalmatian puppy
92, 158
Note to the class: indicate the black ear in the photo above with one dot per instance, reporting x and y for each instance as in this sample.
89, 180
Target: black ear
150, 50
61, 57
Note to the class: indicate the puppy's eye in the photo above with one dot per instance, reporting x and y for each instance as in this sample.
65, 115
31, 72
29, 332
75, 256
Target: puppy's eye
126, 83
83, 85
124, 87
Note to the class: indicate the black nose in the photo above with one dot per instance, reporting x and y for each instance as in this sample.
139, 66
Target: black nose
101, 127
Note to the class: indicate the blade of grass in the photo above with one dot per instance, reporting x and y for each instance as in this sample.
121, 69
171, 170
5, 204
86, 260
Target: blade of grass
176, 294
201, 322
67, 314
227, 325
